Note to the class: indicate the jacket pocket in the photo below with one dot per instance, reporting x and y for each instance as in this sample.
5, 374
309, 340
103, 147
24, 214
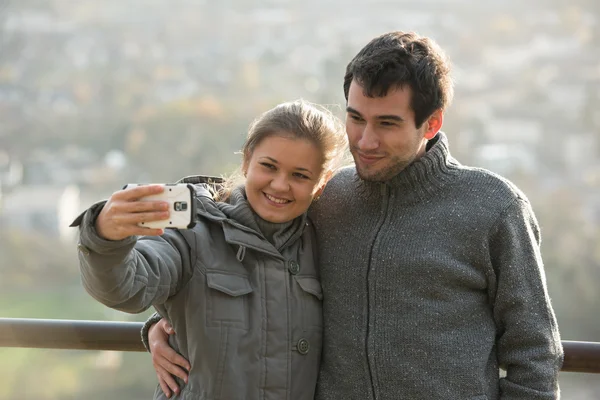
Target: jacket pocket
227, 300
312, 306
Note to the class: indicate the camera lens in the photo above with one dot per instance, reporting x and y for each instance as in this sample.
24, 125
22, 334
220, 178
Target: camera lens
180, 205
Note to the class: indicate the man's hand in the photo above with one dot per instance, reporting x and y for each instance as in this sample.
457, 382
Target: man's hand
166, 361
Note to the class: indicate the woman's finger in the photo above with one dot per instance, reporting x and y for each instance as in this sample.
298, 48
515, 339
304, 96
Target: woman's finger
137, 192
141, 206
136, 218
139, 231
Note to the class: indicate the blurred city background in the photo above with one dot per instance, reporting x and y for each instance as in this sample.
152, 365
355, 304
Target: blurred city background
97, 94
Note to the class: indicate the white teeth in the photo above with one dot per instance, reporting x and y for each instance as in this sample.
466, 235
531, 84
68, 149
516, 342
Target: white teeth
275, 200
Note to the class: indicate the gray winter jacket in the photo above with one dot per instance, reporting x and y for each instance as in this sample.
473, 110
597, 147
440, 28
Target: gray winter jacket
247, 315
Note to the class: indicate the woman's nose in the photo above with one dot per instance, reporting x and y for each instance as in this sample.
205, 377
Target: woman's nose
280, 183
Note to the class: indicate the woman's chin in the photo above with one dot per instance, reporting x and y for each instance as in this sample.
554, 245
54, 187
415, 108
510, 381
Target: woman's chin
276, 217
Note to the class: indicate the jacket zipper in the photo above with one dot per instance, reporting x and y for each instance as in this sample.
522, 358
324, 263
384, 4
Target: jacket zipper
384, 207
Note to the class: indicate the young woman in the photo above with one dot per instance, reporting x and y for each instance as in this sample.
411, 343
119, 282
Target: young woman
241, 288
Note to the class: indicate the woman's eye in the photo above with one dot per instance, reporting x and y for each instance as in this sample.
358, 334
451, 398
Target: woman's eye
302, 176
267, 165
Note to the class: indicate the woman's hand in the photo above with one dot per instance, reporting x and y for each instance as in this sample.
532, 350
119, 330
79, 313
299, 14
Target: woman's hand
124, 210
167, 362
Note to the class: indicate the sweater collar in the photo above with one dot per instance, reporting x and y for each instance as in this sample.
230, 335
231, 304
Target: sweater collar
427, 174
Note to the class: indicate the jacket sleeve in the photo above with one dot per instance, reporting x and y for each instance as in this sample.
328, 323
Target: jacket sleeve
132, 274
529, 345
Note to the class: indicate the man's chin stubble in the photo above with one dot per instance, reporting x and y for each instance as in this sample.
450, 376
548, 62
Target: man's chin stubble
383, 175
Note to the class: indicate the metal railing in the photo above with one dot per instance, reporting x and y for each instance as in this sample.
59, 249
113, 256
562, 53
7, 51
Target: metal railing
70, 334
125, 336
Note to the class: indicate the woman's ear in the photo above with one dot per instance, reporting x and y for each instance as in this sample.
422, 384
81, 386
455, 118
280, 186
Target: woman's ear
326, 177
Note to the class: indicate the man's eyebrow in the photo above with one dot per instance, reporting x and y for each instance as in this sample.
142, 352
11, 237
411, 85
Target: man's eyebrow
390, 117
274, 161
352, 110
379, 117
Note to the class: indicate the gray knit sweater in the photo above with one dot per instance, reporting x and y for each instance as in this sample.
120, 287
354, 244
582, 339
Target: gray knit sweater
432, 282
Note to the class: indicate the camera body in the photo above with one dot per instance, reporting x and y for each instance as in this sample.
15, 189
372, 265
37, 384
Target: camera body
182, 206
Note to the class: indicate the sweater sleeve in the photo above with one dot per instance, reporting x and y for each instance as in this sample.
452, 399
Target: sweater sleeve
131, 274
153, 319
529, 345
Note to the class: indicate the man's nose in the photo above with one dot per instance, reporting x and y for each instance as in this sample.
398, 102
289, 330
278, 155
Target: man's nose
368, 140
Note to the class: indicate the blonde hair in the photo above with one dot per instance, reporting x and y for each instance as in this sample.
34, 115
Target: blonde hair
297, 119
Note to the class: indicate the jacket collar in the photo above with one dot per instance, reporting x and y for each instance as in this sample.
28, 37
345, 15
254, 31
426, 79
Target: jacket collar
235, 216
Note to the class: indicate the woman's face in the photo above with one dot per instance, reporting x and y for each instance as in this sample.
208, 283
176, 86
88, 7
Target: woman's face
282, 177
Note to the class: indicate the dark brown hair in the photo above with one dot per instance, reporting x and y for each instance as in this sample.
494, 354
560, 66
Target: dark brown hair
398, 59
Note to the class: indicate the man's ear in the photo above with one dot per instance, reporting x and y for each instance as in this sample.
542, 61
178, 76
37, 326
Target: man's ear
434, 124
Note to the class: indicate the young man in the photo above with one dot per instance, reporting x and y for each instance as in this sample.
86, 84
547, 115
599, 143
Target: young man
431, 271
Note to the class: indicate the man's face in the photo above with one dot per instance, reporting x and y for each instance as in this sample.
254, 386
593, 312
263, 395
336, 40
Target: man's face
382, 133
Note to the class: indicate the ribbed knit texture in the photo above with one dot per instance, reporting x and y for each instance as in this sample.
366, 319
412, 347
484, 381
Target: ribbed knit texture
238, 208
431, 280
